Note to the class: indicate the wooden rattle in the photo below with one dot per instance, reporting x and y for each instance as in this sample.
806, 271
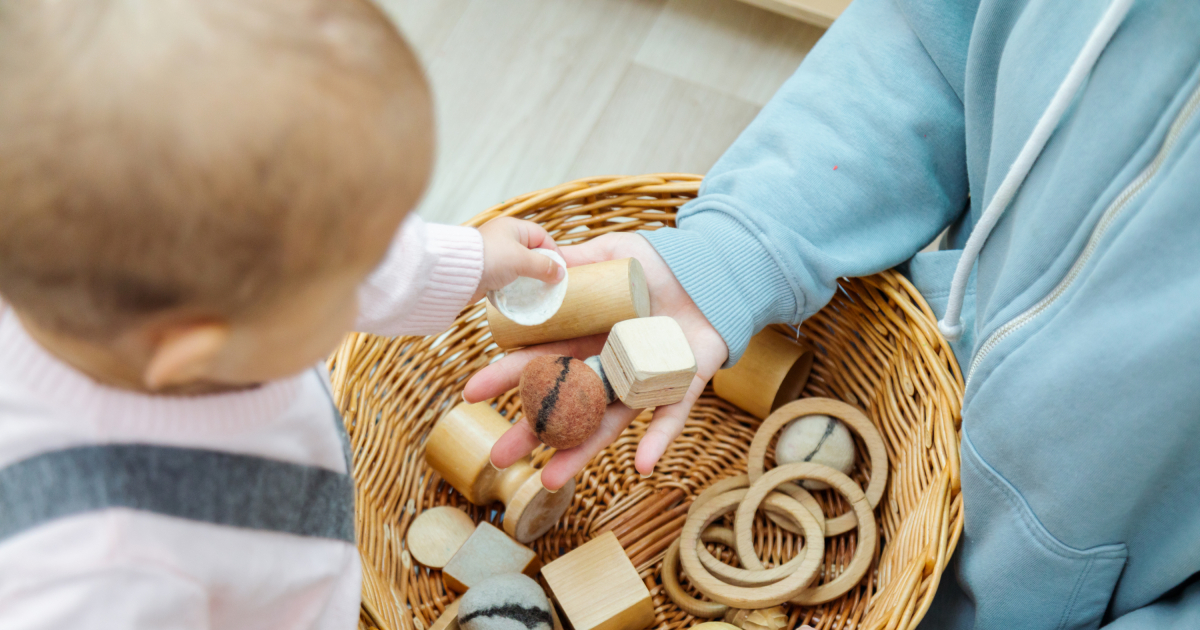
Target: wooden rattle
598, 588
459, 448
772, 372
597, 296
648, 362
854, 419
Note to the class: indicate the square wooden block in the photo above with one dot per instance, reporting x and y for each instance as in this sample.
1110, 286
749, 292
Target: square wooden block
648, 362
487, 552
597, 587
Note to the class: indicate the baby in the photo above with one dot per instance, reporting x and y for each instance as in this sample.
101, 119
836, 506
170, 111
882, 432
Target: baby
198, 198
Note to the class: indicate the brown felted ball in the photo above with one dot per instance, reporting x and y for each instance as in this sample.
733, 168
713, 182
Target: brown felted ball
563, 399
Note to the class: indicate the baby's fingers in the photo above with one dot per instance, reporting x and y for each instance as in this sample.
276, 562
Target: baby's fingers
665, 427
567, 463
531, 264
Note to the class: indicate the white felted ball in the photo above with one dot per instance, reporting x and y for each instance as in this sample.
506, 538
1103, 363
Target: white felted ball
529, 301
818, 439
512, 601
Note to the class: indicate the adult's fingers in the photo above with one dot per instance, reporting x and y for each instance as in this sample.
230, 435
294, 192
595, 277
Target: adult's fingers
567, 463
666, 425
516, 443
596, 250
505, 374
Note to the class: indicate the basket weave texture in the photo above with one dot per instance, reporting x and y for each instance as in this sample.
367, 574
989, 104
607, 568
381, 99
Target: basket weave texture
877, 347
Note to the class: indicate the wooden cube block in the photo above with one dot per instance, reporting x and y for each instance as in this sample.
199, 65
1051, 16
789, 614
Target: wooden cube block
648, 362
488, 552
597, 587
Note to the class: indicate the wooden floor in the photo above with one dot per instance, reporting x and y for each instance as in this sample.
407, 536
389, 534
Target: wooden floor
532, 93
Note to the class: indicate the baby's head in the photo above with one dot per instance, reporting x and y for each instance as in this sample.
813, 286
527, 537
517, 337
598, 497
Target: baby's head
191, 190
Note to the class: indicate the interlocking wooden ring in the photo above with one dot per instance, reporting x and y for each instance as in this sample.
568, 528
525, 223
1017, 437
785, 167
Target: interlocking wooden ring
867, 534
854, 419
757, 596
774, 504
670, 577
743, 577
743, 481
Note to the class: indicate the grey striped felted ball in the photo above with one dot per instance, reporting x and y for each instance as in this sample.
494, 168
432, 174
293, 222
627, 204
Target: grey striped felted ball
512, 601
818, 439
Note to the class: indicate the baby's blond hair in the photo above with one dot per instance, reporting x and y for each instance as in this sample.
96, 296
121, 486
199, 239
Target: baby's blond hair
199, 156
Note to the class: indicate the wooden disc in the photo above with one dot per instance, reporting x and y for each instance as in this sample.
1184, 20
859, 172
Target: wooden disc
748, 597
867, 534
437, 533
855, 420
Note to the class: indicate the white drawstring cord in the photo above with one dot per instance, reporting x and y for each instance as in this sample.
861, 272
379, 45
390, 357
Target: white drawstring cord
951, 324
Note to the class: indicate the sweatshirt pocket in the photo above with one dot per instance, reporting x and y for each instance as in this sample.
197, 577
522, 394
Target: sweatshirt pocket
1017, 574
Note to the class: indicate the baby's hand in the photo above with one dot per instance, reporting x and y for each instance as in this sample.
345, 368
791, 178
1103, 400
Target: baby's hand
506, 254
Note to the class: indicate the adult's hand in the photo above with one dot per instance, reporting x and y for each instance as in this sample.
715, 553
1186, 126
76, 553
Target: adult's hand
667, 297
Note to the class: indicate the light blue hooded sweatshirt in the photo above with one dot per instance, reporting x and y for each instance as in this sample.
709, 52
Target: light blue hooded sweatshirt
1081, 418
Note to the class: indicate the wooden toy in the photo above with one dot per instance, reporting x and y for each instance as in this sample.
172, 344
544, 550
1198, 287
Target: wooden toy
486, 553
714, 625
563, 399
777, 585
597, 296
437, 533
854, 420
774, 618
648, 362
505, 602
459, 449
819, 439
772, 372
597, 587
449, 618
528, 301
864, 549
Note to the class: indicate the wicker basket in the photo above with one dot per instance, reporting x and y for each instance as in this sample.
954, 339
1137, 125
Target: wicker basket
878, 348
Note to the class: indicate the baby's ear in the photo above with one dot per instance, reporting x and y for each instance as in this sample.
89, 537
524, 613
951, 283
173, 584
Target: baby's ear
184, 353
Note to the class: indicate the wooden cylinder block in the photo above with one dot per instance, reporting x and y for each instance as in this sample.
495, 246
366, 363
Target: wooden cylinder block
772, 372
459, 448
598, 296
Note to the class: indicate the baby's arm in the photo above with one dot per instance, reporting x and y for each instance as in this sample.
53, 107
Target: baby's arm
428, 275
431, 272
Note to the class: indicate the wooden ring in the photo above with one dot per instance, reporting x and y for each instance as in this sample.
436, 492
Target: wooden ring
670, 577
743, 481
757, 596
728, 502
854, 419
867, 534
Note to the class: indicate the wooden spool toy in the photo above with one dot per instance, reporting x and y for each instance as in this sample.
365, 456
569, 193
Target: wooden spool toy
459, 448
598, 296
771, 373
875, 345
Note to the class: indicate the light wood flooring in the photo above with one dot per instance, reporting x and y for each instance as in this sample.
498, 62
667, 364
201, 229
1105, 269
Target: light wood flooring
532, 93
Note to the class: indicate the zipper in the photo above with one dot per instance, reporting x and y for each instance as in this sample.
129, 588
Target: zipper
1109, 217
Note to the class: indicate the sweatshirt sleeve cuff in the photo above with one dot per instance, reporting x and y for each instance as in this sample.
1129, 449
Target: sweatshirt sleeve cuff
730, 275
424, 282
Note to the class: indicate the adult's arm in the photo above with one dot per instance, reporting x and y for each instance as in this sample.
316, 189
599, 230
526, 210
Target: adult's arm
855, 164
